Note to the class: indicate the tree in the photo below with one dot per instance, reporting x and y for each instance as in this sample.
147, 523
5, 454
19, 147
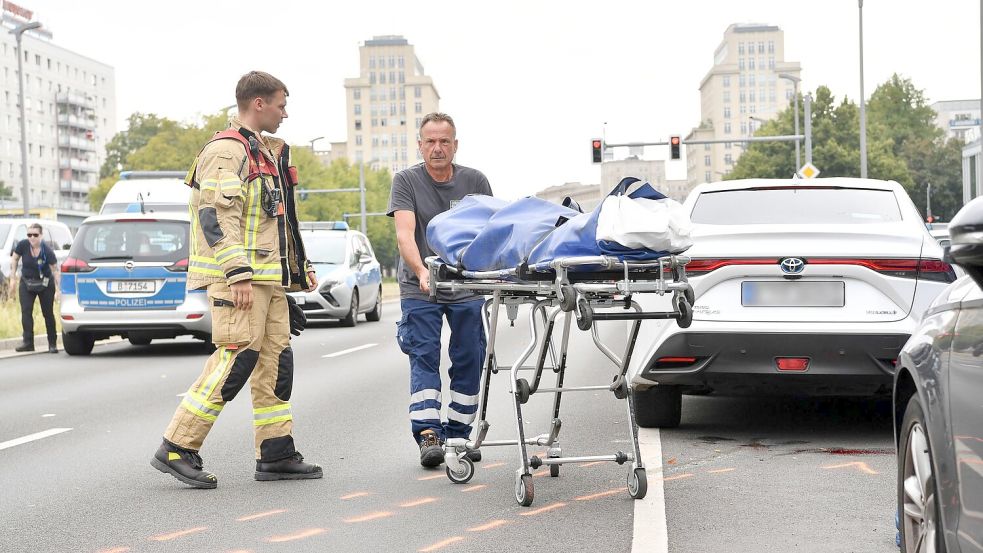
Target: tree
903, 145
140, 129
6, 192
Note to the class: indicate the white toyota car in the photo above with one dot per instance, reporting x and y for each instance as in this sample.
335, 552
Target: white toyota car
802, 286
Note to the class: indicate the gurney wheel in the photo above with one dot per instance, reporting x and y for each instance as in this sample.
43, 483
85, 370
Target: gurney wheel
523, 489
586, 316
690, 295
685, 312
522, 390
568, 298
553, 453
637, 483
554, 471
464, 475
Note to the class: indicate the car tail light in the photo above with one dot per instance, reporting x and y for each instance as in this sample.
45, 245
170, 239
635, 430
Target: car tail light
179, 267
674, 362
698, 267
68, 317
76, 265
792, 363
929, 269
192, 316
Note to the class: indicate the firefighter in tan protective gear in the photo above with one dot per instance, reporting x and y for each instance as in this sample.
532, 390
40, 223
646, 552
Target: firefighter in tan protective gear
246, 251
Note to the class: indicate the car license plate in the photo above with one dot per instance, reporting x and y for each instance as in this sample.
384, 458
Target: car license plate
131, 286
301, 300
792, 294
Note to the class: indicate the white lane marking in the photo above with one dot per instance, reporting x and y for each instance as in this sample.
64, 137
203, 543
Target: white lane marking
182, 394
32, 437
46, 415
349, 350
650, 534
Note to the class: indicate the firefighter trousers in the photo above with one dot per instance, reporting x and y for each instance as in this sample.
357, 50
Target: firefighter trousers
251, 345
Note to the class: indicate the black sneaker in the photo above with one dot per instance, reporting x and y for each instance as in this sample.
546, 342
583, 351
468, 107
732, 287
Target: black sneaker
291, 468
25, 346
52, 349
183, 464
431, 449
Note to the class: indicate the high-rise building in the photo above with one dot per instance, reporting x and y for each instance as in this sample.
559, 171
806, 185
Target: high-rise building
386, 103
70, 111
744, 86
958, 118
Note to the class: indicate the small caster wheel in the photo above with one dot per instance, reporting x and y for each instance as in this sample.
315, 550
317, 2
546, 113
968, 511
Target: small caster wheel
685, 312
568, 298
637, 483
523, 489
586, 316
554, 453
522, 390
690, 295
464, 474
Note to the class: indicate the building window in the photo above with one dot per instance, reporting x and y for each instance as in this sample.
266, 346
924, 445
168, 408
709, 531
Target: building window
402, 61
358, 109
372, 62
358, 124
761, 47
740, 48
706, 176
727, 145
750, 80
740, 63
771, 62
727, 112
417, 92
728, 159
392, 61
375, 141
372, 77
382, 77
706, 160
751, 110
751, 94
750, 64
726, 80
726, 96
727, 127
357, 94
742, 80
743, 128
771, 46
418, 121
418, 107
742, 97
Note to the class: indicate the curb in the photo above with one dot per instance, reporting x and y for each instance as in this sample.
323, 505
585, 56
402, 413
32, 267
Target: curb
7, 345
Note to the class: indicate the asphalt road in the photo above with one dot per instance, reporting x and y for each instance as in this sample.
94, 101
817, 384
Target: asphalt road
739, 474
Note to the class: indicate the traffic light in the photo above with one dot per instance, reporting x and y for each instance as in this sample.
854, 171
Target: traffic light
597, 150
674, 147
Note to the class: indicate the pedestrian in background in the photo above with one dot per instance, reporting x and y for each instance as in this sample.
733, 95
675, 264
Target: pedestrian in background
40, 281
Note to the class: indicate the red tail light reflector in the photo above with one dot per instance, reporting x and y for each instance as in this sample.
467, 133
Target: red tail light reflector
179, 267
674, 362
792, 363
699, 267
75, 265
195, 316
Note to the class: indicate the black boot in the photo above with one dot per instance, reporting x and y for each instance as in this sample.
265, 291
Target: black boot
291, 468
25, 346
183, 464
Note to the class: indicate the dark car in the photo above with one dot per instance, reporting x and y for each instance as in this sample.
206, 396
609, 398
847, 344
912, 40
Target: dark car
938, 408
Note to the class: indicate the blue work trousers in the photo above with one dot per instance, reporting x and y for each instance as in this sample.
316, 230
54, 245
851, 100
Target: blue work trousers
418, 335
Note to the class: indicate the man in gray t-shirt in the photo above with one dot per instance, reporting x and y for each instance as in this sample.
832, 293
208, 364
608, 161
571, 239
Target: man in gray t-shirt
419, 193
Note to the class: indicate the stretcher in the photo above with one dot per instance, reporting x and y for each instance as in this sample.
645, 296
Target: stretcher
584, 289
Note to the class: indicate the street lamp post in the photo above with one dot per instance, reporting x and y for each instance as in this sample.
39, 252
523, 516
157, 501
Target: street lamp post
312, 141
17, 32
863, 109
795, 103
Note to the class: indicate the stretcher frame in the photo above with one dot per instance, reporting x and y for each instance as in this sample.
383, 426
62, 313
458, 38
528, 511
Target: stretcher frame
584, 289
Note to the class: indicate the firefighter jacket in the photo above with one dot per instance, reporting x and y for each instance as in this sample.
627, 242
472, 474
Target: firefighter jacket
243, 216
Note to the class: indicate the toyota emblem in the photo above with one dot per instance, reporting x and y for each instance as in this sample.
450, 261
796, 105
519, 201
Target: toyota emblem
128, 265
792, 265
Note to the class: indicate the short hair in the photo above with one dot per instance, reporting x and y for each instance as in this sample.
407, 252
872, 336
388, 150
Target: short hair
37, 226
437, 117
257, 84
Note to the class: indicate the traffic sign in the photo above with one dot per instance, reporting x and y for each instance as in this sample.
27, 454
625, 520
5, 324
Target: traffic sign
809, 171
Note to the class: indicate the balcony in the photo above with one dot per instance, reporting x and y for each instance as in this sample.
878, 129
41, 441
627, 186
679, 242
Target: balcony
74, 99
74, 186
87, 123
77, 142
77, 164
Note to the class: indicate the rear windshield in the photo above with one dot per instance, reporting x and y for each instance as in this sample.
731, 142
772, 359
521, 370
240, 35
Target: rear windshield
796, 205
325, 248
162, 241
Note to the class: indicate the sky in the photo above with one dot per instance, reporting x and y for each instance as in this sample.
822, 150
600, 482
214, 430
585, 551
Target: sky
529, 83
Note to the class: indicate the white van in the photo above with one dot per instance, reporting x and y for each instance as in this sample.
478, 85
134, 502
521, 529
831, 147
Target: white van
147, 192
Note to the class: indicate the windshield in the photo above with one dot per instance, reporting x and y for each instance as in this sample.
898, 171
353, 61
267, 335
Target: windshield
796, 205
325, 248
156, 241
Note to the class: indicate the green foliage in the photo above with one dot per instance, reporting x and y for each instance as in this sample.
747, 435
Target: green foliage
152, 143
5, 191
903, 144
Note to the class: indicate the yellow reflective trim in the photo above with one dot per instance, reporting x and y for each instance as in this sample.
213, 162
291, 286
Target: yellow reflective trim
228, 248
217, 373
171, 456
205, 402
209, 272
208, 184
263, 410
264, 422
194, 411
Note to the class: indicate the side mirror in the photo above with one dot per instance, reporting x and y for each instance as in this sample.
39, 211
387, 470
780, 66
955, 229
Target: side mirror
966, 239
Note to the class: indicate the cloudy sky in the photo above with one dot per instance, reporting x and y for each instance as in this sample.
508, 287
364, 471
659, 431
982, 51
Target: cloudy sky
529, 83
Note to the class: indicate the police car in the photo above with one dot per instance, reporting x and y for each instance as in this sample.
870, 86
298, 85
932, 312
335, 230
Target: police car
126, 272
349, 275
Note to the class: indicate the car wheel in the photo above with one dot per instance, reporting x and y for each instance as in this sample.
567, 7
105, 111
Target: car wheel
139, 340
77, 343
658, 407
918, 499
352, 317
376, 313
